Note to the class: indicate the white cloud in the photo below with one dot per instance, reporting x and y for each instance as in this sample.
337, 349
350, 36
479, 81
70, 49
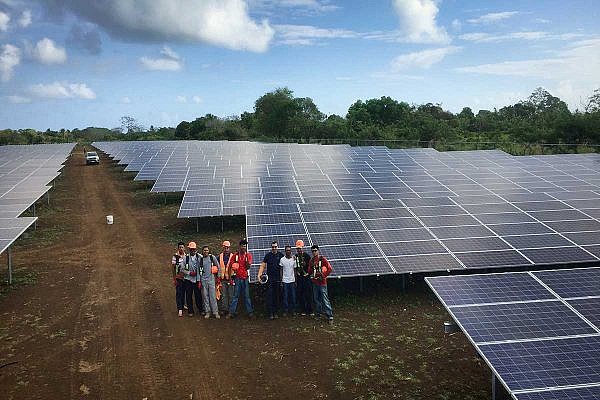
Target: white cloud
18, 99
572, 71
418, 21
62, 90
169, 61
10, 57
493, 17
125, 100
47, 52
308, 35
25, 19
223, 23
197, 99
481, 37
314, 6
456, 25
422, 59
542, 21
4, 20
181, 99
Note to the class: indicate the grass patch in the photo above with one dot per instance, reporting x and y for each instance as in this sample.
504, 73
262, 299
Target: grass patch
20, 278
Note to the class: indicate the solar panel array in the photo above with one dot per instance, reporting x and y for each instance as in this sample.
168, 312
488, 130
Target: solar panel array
25, 172
380, 211
539, 331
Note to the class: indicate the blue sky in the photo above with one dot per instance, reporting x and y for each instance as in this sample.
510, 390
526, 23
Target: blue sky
75, 63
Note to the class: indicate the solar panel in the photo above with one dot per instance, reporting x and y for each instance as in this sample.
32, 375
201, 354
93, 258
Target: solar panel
491, 200
537, 330
582, 393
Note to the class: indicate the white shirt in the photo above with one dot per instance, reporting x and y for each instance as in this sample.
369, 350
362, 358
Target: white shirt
288, 265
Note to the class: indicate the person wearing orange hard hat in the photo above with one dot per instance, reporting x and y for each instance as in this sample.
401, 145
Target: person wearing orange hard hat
304, 291
225, 278
318, 270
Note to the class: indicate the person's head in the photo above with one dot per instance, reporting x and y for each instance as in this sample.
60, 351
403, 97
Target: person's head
205, 251
181, 247
288, 251
243, 245
274, 246
314, 250
300, 246
226, 246
192, 247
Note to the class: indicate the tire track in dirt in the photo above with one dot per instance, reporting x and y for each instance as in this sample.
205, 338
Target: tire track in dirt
126, 351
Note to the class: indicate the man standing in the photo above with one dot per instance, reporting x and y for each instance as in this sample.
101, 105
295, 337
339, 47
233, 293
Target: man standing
303, 283
287, 264
210, 269
319, 269
227, 286
240, 263
178, 263
271, 262
191, 278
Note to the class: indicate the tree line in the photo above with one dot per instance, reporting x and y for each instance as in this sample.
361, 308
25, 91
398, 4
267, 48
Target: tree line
280, 116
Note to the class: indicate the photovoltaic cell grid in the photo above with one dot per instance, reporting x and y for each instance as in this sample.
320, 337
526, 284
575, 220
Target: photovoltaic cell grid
422, 209
539, 331
25, 172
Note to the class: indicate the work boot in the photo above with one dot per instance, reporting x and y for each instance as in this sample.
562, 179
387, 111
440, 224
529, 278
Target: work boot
217, 316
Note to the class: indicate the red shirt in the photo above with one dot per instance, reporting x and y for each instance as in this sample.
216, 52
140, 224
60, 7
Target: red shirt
245, 261
324, 263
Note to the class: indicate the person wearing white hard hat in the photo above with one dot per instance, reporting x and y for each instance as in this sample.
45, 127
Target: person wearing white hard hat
225, 279
192, 271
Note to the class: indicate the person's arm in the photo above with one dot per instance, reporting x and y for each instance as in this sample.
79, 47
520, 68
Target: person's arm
260, 269
327, 266
281, 270
221, 269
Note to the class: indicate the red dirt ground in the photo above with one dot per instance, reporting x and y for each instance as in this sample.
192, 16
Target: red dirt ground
100, 322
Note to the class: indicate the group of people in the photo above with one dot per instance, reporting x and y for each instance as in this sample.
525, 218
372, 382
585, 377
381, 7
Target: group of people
215, 284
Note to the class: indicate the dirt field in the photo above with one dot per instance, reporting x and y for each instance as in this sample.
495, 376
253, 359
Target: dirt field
93, 316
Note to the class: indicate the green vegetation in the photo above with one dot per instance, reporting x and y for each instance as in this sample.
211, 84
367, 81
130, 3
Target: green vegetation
541, 123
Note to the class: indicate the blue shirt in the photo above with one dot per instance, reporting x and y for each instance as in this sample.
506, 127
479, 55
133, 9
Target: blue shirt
272, 261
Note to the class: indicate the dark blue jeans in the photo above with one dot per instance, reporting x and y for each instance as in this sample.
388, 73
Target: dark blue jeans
304, 294
272, 299
242, 288
322, 303
289, 297
192, 288
179, 294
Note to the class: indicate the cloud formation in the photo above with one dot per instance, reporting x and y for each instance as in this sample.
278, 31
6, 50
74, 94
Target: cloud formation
4, 20
309, 6
15, 99
47, 52
493, 17
308, 35
418, 21
62, 90
223, 23
25, 19
169, 61
10, 57
421, 59
574, 69
88, 40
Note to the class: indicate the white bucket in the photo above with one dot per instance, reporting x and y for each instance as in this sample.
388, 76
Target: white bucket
109, 219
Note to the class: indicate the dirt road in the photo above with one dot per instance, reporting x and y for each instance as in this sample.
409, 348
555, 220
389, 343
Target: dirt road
101, 323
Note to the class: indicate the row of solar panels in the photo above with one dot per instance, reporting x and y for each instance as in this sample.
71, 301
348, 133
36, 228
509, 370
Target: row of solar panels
25, 172
413, 210
538, 331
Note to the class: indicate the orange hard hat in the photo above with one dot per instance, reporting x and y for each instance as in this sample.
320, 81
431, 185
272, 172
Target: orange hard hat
235, 266
299, 243
323, 270
226, 243
192, 245
214, 269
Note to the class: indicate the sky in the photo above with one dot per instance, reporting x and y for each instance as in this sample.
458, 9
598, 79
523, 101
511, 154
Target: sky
79, 63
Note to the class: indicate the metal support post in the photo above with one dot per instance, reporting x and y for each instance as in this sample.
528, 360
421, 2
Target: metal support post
165, 198
48, 197
493, 386
361, 284
9, 259
197, 224
35, 223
